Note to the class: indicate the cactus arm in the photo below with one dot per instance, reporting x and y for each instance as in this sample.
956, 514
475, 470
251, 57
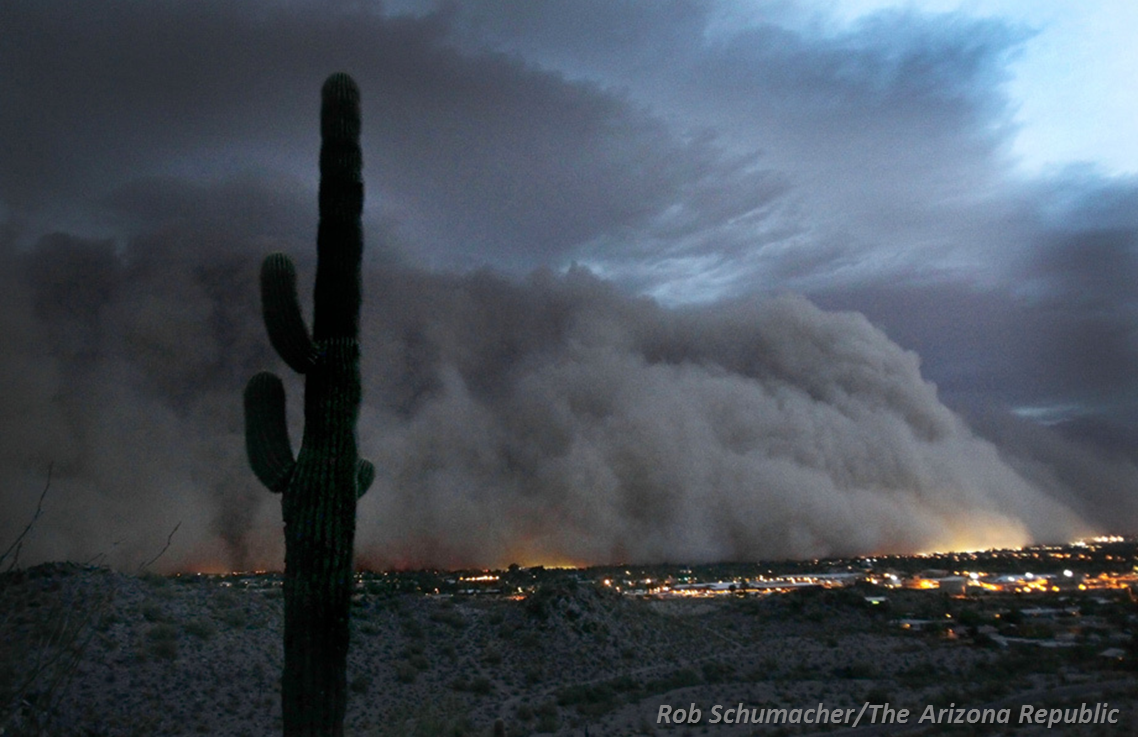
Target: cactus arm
365, 474
281, 309
266, 432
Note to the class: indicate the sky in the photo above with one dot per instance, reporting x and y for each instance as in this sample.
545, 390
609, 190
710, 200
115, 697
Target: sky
644, 281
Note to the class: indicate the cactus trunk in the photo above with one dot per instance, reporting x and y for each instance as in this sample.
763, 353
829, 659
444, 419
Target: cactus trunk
320, 487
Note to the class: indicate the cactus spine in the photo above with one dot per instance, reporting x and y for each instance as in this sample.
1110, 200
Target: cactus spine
318, 488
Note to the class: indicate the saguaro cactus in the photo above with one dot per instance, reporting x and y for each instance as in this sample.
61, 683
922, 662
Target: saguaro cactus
319, 488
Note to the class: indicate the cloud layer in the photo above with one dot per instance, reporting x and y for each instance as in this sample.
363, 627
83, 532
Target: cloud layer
578, 220
548, 420
559, 420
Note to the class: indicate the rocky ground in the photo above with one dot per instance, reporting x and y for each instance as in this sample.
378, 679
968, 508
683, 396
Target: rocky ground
91, 652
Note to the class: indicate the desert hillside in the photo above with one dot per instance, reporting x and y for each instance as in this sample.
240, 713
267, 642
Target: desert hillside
91, 652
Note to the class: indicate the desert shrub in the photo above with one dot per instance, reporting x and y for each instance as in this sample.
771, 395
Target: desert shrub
162, 641
450, 617
154, 579
405, 672
480, 685
591, 700
152, 612
677, 679
547, 720
855, 670
717, 672
234, 616
201, 628
768, 667
106, 621
360, 684
596, 699
920, 675
443, 718
411, 628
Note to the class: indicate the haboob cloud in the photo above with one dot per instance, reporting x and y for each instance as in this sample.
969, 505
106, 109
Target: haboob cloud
552, 420
559, 421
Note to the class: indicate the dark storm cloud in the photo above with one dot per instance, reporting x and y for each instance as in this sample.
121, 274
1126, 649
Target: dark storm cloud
248, 204
472, 158
891, 134
1047, 326
891, 141
153, 153
654, 142
1084, 266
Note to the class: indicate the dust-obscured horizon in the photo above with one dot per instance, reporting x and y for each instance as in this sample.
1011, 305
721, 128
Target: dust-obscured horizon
549, 419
